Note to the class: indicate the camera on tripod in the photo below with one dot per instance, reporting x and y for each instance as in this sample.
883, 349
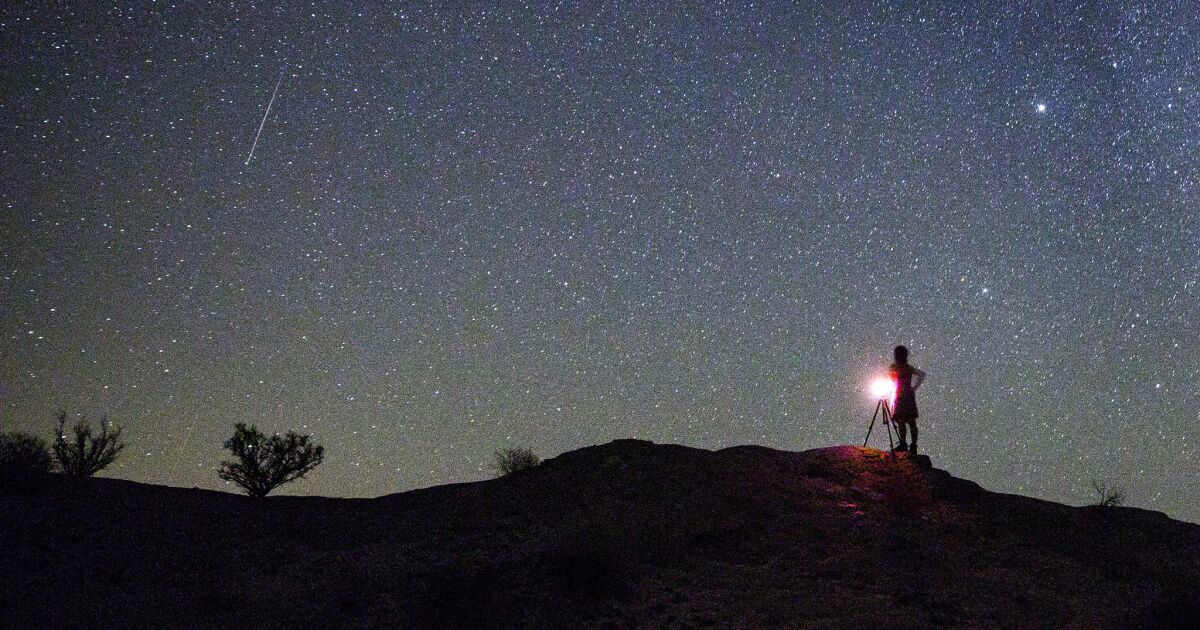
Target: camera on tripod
884, 391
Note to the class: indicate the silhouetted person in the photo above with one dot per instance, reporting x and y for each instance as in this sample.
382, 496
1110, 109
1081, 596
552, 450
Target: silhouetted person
904, 414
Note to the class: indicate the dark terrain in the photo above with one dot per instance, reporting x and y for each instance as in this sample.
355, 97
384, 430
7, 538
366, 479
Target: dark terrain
628, 534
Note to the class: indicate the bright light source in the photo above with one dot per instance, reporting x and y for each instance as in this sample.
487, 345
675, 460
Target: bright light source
883, 388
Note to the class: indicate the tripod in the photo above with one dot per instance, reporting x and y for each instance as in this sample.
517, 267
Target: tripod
882, 406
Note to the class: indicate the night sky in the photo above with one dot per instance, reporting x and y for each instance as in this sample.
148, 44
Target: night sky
471, 226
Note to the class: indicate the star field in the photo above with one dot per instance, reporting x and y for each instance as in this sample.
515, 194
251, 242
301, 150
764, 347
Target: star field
474, 225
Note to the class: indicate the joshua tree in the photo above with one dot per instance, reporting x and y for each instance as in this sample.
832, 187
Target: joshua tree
23, 456
263, 463
87, 453
1107, 496
510, 460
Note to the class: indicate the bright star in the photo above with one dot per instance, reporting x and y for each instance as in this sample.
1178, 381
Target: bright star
1041, 108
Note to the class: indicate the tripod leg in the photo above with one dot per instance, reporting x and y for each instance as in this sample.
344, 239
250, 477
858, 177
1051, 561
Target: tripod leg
872, 425
887, 420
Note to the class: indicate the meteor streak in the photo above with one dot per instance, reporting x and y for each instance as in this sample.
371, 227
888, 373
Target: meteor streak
265, 114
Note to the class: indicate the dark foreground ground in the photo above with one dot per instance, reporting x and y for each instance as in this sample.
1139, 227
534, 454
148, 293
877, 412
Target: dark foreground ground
628, 534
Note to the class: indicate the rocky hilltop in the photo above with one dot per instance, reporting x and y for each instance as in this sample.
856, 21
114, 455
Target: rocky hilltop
627, 534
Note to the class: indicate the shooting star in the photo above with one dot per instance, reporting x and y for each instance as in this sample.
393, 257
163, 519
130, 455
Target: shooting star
265, 114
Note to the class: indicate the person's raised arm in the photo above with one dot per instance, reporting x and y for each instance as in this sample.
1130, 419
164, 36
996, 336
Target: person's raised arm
920, 374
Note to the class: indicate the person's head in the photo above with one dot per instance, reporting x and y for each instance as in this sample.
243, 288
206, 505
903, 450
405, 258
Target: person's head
901, 354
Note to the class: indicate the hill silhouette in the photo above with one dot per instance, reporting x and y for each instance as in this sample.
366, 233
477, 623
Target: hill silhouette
625, 534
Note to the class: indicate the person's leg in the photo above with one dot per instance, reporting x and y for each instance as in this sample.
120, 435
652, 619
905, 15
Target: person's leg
913, 422
900, 430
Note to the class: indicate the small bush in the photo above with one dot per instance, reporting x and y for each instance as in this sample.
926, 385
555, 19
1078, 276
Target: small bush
264, 464
87, 453
23, 456
510, 460
1107, 496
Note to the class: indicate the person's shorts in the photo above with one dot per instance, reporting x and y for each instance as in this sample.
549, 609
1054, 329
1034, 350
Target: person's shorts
906, 410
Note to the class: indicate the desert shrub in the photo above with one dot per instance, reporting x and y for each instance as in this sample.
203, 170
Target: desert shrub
86, 453
23, 456
263, 463
510, 460
1107, 496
